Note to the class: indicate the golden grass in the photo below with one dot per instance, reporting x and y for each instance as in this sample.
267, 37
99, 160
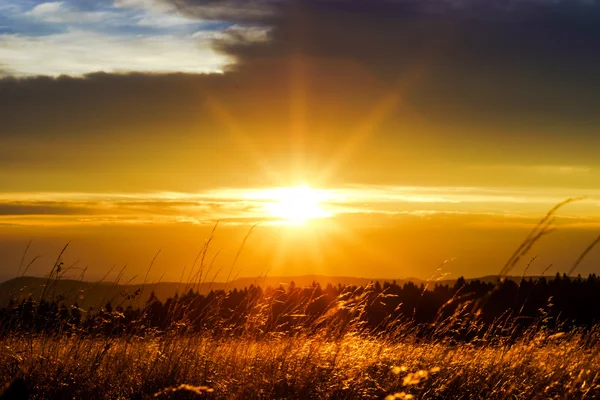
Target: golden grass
302, 367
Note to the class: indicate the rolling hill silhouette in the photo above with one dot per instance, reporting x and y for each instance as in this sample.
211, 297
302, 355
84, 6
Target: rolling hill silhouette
95, 294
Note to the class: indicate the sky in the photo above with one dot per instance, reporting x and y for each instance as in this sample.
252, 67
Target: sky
377, 139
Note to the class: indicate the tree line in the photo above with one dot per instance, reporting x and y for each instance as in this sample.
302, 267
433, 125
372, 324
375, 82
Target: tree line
464, 310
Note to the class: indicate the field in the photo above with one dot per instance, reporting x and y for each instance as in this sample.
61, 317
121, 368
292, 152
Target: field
300, 367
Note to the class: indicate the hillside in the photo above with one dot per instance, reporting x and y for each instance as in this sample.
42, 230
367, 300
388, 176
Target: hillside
94, 294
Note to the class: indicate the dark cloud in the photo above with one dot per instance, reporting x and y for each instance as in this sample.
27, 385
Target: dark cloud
491, 59
454, 60
229, 10
394, 30
213, 208
43, 208
532, 55
141, 109
269, 11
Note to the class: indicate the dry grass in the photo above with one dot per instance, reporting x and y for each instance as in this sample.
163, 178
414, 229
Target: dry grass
302, 367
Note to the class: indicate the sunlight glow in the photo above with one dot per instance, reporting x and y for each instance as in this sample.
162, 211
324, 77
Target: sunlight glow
296, 205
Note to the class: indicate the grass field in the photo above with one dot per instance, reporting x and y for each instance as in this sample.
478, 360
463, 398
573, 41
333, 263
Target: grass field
300, 367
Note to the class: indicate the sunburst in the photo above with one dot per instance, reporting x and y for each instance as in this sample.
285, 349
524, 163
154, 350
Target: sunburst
296, 205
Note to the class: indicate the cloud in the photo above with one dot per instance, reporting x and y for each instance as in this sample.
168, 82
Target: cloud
144, 4
233, 10
563, 170
497, 58
61, 13
155, 13
42, 208
92, 208
537, 171
77, 53
44, 9
252, 205
77, 38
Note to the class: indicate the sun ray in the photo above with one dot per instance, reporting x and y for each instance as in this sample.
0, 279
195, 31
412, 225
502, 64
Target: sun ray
390, 101
223, 115
298, 113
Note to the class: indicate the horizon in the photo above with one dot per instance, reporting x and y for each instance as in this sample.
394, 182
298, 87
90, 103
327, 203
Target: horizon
288, 279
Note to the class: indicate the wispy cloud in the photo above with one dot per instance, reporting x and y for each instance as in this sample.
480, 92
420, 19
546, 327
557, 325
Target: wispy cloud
253, 205
558, 170
59, 12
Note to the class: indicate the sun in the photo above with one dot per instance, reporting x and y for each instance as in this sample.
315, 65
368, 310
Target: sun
296, 205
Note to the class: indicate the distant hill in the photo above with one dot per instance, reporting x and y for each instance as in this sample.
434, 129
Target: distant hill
90, 294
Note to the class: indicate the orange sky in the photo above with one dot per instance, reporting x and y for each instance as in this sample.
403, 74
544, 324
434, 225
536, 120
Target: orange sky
431, 131
368, 231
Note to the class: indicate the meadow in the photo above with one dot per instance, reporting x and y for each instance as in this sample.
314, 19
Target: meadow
352, 366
